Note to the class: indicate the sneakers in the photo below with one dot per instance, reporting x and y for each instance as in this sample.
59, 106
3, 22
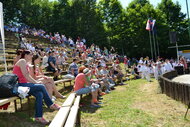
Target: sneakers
98, 103
100, 98
41, 120
102, 93
55, 107
95, 106
107, 91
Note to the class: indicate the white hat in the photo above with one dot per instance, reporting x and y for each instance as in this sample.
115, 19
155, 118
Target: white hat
86, 71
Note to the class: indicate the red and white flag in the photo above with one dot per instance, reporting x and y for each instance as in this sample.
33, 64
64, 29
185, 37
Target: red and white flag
148, 25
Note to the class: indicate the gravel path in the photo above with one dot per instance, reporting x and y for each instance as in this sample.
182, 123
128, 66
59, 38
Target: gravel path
182, 79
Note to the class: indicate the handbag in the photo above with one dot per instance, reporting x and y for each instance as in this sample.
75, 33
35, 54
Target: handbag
8, 85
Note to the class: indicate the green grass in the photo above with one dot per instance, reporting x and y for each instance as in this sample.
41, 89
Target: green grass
25, 118
136, 105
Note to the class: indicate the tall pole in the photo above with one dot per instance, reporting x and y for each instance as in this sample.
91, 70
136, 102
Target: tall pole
2, 34
154, 43
177, 52
157, 45
188, 17
150, 44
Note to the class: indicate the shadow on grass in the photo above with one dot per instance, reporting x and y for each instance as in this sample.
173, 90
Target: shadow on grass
86, 102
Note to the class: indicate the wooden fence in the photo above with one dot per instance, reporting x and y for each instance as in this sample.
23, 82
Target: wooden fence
175, 90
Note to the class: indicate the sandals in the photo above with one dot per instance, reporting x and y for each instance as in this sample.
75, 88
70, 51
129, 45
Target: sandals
55, 107
41, 120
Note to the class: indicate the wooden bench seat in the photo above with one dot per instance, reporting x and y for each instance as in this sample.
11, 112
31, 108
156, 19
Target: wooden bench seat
10, 67
67, 115
51, 73
63, 81
10, 99
7, 100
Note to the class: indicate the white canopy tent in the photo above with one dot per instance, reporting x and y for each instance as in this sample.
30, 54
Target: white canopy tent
2, 35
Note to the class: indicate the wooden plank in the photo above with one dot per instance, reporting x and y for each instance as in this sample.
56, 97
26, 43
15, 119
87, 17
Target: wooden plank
72, 117
77, 100
62, 81
71, 120
60, 117
73, 113
69, 101
6, 100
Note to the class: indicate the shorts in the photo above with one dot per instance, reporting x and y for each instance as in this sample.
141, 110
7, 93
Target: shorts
88, 89
83, 91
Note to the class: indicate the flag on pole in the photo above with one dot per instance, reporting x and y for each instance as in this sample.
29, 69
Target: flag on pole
2, 34
153, 23
148, 25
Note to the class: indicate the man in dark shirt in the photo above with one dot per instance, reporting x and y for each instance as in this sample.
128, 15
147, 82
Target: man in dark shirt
52, 67
73, 68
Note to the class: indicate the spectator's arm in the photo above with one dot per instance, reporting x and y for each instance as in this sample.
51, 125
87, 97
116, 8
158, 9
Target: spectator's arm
51, 63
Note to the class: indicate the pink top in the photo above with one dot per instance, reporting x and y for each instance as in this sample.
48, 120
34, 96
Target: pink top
18, 72
79, 81
37, 71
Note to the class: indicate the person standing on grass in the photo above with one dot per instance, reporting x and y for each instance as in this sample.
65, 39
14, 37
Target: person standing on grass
37, 89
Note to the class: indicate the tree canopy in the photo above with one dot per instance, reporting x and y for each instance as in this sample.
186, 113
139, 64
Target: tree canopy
104, 22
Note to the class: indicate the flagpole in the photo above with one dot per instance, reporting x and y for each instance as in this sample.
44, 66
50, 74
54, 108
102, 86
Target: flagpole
157, 45
2, 34
151, 44
188, 16
154, 43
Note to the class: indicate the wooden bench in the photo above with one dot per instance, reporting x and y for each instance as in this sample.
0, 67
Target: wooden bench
69, 113
64, 66
63, 81
51, 73
10, 99
9, 67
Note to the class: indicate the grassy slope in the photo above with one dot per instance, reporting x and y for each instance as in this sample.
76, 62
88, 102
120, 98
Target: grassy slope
137, 105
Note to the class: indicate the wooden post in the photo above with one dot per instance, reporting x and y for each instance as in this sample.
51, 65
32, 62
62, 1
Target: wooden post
15, 105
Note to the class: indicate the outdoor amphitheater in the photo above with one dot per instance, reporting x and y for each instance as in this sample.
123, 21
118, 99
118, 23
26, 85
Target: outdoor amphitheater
89, 63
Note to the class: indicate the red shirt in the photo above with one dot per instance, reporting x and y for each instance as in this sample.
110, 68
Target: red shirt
80, 81
18, 72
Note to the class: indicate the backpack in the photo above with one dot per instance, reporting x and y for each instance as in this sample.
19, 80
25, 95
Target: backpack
8, 85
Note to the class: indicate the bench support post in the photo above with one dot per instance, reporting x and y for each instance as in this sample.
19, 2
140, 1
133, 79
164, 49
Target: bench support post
15, 105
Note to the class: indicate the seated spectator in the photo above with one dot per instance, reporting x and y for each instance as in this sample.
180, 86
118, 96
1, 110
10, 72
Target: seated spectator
118, 72
73, 68
52, 65
61, 59
45, 60
106, 75
37, 74
103, 78
37, 89
83, 86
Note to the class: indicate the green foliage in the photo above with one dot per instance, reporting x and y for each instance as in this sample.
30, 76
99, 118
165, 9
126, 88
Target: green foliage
104, 23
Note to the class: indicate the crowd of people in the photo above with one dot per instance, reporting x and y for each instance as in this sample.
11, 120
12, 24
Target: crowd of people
94, 70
